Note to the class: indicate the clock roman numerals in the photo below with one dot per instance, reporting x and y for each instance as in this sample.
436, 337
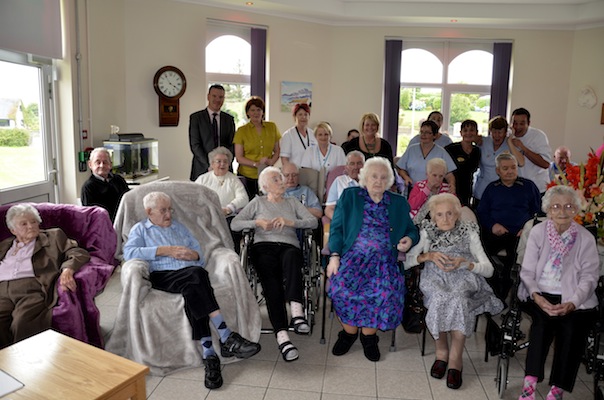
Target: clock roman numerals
170, 84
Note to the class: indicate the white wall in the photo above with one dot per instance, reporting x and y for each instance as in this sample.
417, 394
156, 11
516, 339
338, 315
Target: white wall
129, 40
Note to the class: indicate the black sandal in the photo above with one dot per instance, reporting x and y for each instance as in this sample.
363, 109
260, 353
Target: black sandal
287, 347
300, 325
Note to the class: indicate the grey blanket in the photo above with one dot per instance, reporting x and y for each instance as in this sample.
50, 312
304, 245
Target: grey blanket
151, 327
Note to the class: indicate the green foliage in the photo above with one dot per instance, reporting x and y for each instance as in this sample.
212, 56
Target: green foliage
14, 138
31, 117
403, 143
461, 106
405, 98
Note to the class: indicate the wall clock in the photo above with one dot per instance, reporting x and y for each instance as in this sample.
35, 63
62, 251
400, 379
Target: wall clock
169, 84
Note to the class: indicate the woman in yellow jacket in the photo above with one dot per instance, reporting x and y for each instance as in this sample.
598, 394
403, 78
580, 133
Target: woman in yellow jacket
256, 144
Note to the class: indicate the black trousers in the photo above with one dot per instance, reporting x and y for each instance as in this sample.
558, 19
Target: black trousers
279, 269
251, 186
501, 281
569, 331
194, 285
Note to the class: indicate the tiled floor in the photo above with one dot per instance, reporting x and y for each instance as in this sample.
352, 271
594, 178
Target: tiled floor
318, 375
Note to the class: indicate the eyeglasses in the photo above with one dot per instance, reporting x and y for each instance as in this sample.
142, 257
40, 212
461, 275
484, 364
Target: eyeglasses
164, 211
293, 175
555, 208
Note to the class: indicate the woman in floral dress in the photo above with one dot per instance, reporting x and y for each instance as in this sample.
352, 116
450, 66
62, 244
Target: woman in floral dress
452, 281
369, 227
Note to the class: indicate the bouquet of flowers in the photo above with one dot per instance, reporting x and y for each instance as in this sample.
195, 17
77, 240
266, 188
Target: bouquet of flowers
587, 180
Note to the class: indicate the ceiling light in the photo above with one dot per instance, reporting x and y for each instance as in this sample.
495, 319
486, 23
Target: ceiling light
454, 20
249, 3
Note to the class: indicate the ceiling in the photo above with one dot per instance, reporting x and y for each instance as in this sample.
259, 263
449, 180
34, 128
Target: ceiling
512, 14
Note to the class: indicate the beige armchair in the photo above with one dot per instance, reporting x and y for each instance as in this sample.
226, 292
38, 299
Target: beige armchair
151, 327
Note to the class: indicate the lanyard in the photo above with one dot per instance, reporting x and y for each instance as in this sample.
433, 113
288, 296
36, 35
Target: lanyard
302, 140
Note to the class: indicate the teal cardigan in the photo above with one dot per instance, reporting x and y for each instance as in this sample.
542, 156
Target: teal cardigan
348, 219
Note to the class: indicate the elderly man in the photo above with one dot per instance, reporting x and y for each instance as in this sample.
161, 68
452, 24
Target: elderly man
300, 192
561, 161
534, 145
103, 188
506, 205
354, 162
176, 266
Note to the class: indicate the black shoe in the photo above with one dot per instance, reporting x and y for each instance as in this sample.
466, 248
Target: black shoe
438, 370
237, 346
370, 347
454, 379
344, 343
213, 378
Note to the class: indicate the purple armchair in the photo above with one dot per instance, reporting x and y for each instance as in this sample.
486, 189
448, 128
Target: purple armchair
76, 314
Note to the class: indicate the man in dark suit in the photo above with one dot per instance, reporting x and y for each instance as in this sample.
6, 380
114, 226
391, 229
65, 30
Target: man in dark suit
208, 129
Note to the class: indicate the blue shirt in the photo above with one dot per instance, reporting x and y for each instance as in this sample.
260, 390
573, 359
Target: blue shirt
414, 163
310, 198
145, 237
486, 168
509, 206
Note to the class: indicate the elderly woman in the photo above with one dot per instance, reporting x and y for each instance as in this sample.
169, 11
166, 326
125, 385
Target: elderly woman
298, 138
31, 264
256, 144
558, 277
324, 155
436, 169
230, 190
370, 225
369, 142
453, 282
276, 254
413, 162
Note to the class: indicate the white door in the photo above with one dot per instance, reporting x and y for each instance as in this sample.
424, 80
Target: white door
27, 139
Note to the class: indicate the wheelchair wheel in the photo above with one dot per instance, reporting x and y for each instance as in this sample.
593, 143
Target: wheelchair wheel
247, 266
502, 375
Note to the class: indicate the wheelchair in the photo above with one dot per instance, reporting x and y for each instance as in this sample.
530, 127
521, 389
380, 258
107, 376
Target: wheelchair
512, 339
311, 272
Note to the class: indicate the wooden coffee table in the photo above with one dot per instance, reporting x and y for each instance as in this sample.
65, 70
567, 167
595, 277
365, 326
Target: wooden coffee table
55, 366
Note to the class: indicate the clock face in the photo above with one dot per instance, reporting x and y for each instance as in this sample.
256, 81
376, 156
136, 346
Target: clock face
170, 84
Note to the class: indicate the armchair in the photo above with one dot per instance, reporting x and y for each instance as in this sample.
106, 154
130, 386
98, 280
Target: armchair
76, 314
151, 327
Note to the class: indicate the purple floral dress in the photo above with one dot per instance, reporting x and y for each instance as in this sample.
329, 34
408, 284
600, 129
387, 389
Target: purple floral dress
368, 290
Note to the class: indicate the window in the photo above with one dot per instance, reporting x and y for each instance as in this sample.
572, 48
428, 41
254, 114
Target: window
27, 160
451, 77
228, 62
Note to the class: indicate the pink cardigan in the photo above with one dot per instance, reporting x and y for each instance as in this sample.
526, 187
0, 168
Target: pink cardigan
579, 274
420, 194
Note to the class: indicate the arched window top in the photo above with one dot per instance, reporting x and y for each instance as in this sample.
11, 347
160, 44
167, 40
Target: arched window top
229, 54
420, 66
474, 67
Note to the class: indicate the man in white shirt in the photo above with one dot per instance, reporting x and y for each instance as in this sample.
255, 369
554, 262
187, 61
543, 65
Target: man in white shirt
354, 162
534, 145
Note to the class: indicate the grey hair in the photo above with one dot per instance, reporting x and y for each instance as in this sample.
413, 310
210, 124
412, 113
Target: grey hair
220, 150
559, 190
443, 198
21, 209
290, 165
355, 153
505, 156
263, 178
373, 163
98, 150
436, 162
150, 200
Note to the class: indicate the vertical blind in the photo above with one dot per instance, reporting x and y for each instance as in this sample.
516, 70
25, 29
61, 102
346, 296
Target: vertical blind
31, 27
